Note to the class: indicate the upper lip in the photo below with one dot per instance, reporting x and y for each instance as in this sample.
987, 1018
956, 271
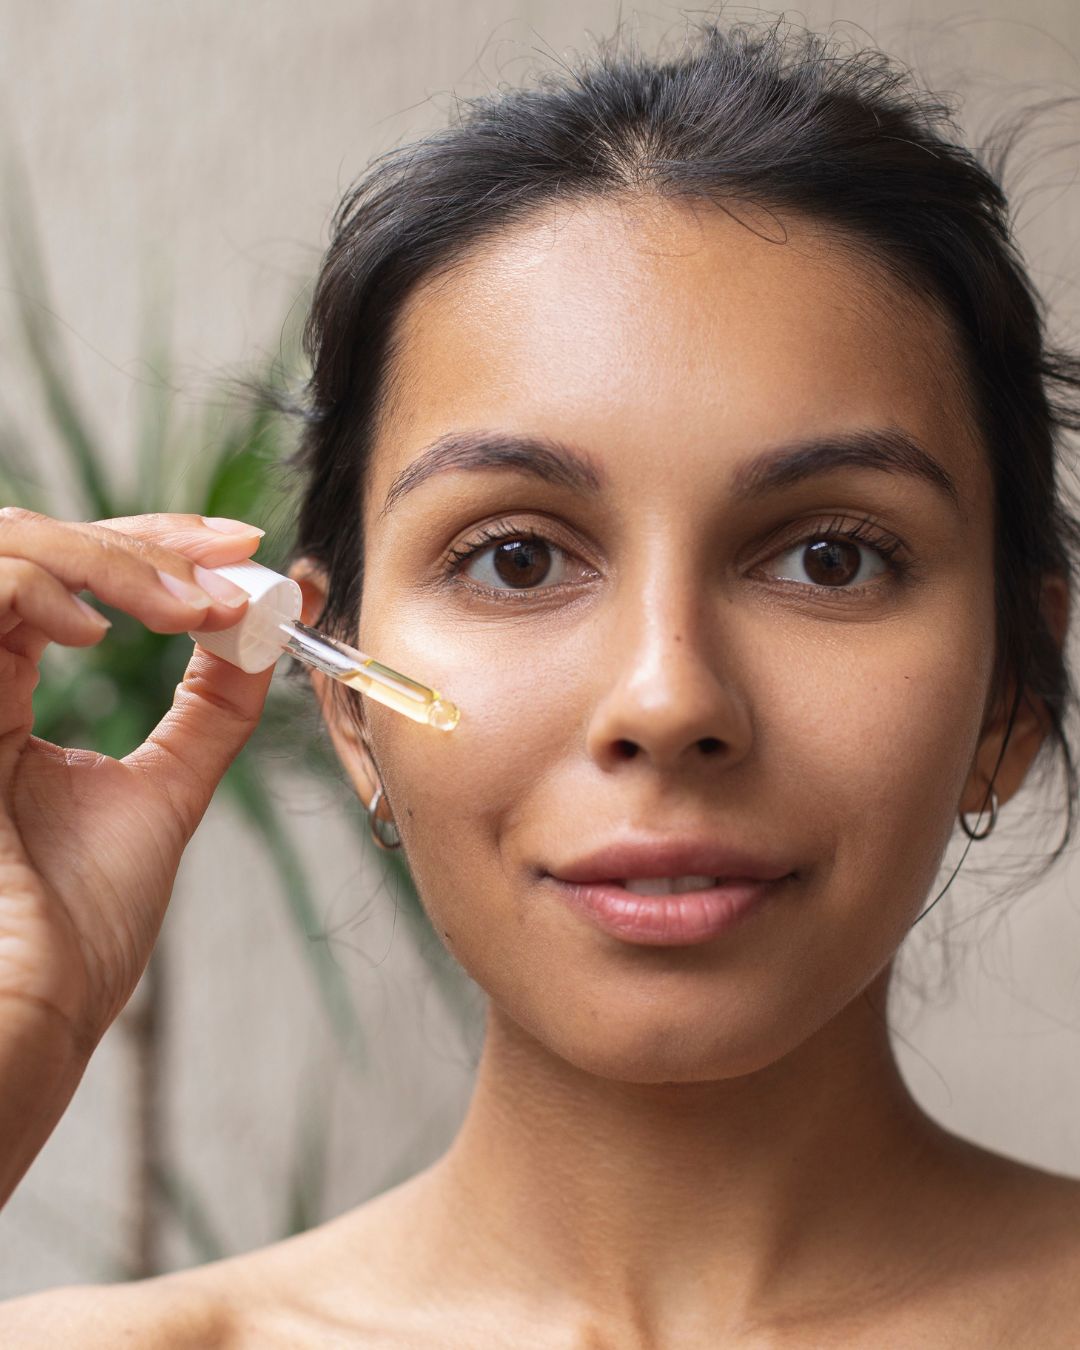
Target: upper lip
645, 857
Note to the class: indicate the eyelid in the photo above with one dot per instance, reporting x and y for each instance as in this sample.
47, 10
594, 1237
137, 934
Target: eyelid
483, 537
865, 532
487, 537
864, 529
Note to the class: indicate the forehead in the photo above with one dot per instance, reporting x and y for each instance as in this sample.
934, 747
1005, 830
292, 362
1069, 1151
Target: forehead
624, 323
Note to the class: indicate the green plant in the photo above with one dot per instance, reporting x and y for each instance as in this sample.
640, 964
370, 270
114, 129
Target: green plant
222, 459
109, 697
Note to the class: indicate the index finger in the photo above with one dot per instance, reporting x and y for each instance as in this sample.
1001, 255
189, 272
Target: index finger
185, 532
129, 569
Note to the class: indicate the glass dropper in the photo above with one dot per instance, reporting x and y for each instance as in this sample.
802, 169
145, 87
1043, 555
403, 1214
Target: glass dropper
371, 677
271, 625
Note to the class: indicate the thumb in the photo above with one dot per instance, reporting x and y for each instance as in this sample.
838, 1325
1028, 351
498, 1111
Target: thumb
215, 709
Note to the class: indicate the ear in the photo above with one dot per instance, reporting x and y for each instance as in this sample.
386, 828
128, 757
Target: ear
348, 742
1030, 725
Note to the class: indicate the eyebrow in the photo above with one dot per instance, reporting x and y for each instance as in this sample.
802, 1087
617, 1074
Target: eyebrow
888, 449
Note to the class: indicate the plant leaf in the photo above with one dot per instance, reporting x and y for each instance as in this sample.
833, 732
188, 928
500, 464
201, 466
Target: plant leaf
303, 1209
181, 1198
251, 797
18, 486
453, 983
37, 323
155, 407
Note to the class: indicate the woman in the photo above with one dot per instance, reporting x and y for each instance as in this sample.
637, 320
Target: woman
692, 427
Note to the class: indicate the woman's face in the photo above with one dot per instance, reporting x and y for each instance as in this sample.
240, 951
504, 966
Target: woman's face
678, 655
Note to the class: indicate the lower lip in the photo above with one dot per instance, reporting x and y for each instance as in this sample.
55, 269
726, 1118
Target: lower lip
666, 920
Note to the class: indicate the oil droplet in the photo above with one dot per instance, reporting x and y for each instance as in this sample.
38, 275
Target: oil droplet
443, 715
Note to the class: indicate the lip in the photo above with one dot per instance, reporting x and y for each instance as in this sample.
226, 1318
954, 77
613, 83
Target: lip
591, 886
665, 920
646, 857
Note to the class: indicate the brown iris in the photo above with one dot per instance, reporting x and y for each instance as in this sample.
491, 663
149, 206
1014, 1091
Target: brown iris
831, 562
522, 562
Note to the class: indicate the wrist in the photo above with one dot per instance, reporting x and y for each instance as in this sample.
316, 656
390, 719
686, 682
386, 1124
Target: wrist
43, 1057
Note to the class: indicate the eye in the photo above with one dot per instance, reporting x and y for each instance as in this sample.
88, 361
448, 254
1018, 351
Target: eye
509, 563
506, 560
848, 559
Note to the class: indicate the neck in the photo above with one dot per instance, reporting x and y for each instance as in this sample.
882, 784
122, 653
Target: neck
776, 1186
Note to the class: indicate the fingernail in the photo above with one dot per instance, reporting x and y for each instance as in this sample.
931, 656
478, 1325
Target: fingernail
92, 613
219, 587
224, 525
183, 590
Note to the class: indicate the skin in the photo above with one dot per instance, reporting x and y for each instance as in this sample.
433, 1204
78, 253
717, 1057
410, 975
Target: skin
89, 845
703, 1146
742, 1095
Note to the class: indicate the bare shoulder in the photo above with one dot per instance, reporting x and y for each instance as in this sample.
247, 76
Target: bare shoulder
167, 1311
1021, 1268
1045, 1309
245, 1301
288, 1294
1058, 1203
1042, 1211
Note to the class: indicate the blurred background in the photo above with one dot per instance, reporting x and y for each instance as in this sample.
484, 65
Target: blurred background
301, 1041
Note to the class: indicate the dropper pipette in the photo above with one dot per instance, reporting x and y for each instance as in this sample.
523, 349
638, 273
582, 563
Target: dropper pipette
371, 677
271, 625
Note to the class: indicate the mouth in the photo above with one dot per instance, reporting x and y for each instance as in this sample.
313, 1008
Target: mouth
670, 885
668, 911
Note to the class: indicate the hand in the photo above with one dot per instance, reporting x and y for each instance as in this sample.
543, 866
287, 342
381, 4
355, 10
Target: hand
89, 845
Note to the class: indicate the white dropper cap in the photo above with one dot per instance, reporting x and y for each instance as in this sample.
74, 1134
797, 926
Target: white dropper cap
256, 641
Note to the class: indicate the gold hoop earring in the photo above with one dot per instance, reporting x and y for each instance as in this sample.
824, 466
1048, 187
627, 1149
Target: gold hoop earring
981, 834
387, 842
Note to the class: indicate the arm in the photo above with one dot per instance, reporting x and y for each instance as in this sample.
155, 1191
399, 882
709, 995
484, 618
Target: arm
40, 1068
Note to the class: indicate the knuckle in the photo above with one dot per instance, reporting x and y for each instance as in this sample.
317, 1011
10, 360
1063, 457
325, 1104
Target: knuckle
188, 520
157, 538
19, 569
153, 523
118, 524
16, 574
16, 515
117, 545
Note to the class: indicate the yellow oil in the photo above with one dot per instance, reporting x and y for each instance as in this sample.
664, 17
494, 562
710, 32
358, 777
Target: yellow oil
371, 677
403, 695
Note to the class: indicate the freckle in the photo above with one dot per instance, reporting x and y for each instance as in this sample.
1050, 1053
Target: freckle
408, 810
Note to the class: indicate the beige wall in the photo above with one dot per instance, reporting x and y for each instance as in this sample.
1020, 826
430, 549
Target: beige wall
194, 152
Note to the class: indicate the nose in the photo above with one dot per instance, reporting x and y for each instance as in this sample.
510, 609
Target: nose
670, 688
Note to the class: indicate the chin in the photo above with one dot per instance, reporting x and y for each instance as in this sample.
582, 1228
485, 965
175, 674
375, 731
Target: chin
656, 1049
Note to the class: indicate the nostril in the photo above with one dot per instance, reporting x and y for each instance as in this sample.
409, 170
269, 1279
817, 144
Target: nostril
709, 745
627, 749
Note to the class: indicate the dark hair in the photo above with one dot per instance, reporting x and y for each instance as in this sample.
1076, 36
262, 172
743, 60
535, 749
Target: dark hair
752, 114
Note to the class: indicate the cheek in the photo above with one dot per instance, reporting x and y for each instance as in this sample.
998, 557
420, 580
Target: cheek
878, 742
460, 796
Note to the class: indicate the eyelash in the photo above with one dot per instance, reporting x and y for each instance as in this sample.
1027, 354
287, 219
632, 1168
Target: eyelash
864, 531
